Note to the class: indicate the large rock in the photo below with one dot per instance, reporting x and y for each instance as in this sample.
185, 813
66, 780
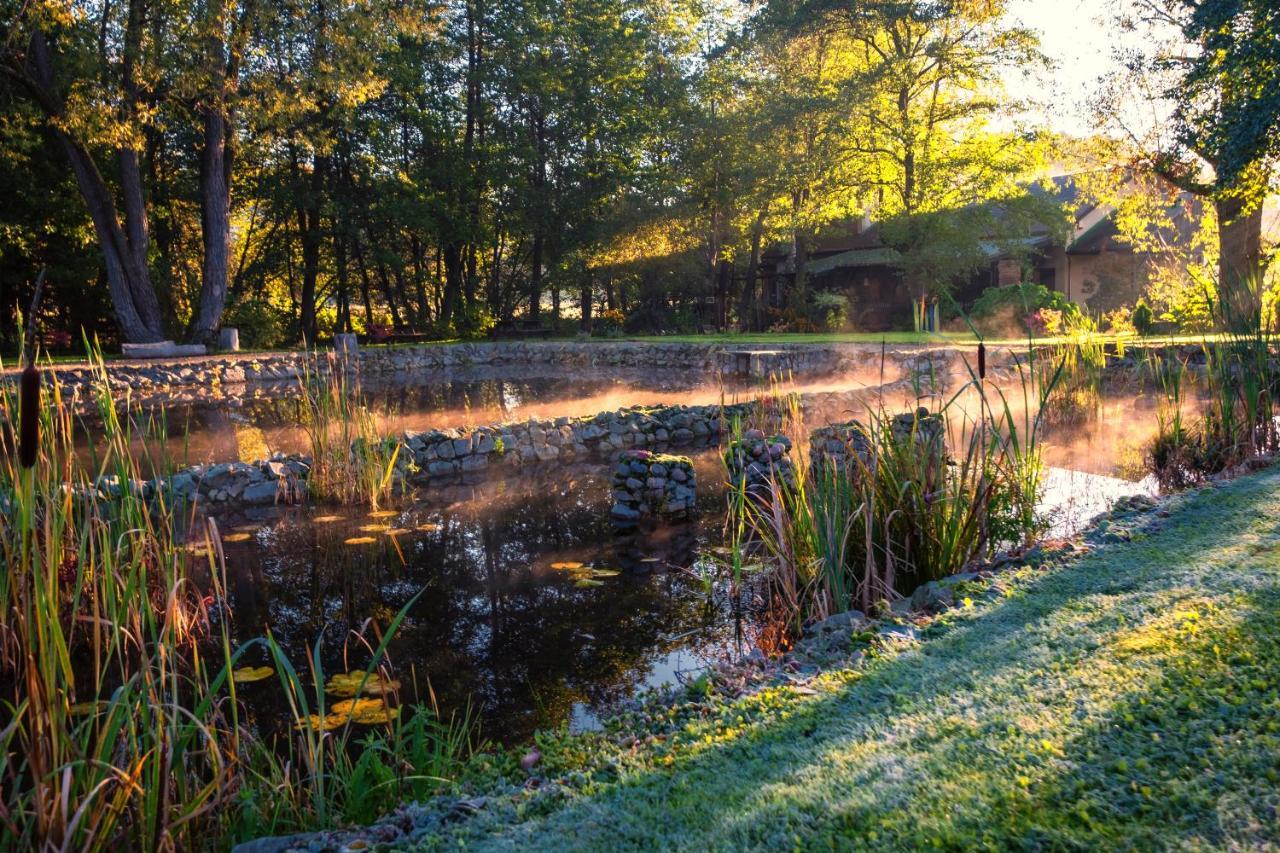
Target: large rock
161, 349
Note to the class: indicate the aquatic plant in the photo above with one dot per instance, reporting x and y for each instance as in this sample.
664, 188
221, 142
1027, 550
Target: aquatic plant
916, 497
352, 462
120, 717
1239, 384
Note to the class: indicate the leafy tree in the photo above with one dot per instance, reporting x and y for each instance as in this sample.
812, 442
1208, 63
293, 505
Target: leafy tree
1213, 71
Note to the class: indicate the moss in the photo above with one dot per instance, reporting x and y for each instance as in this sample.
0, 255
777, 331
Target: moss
1131, 699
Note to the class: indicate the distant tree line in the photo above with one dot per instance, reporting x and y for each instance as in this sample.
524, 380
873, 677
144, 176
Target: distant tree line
301, 167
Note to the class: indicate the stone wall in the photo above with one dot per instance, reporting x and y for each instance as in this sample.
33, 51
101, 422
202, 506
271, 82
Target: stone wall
213, 371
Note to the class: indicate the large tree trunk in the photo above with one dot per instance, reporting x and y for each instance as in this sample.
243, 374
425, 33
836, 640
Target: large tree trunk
749, 305
1240, 265
215, 221
309, 231
124, 248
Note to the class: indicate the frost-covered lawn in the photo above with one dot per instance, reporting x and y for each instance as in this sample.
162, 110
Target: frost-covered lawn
1128, 700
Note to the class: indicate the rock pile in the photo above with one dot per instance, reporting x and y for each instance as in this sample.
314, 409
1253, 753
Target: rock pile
838, 444
756, 461
651, 486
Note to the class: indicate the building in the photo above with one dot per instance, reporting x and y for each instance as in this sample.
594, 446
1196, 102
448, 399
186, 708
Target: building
1089, 264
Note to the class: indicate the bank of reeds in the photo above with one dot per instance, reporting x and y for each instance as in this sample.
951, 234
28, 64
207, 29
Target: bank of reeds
921, 495
351, 461
1237, 384
120, 722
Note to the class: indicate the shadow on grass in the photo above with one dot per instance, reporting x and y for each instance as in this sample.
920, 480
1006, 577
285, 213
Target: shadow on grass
1021, 727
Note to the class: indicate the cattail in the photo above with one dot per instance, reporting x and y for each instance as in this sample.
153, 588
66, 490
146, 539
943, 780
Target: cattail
29, 426
982, 360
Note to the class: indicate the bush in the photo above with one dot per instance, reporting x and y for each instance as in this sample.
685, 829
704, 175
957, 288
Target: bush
1143, 318
1030, 306
829, 311
261, 325
608, 323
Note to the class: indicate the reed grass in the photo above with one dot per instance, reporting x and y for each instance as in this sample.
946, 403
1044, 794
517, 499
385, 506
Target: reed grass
919, 498
120, 721
1238, 385
351, 461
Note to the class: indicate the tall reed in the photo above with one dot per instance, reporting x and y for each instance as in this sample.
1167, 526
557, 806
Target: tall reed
351, 461
120, 721
919, 496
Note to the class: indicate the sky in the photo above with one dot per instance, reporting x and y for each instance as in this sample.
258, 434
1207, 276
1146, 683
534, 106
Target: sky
1079, 39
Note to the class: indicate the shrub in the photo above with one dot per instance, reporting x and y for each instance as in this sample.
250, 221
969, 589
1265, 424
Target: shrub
608, 324
1143, 318
1024, 305
829, 311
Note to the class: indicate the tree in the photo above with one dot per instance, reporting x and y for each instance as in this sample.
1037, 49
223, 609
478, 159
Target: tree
1213, 71
94, 99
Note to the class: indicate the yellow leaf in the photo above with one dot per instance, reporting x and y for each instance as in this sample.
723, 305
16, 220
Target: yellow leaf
360, 540
246, 674
237, 537
326, 519
374, 528
566, 566
382, 513
395, 531
428, 528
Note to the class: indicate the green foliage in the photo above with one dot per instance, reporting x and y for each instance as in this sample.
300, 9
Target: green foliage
830, 311
1020, 303
1143, 318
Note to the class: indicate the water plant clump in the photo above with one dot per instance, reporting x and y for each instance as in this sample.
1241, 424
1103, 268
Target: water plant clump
915, 497
1238, 382
352, 462
121, 715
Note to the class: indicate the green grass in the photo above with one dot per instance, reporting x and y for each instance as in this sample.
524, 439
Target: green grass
1129, 700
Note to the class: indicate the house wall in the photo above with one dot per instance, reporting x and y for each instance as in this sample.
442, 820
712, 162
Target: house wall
1101, 281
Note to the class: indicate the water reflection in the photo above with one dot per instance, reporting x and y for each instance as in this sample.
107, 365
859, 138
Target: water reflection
495, 624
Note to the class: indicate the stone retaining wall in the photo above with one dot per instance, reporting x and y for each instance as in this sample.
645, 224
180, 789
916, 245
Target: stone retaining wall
444, 456
411, 361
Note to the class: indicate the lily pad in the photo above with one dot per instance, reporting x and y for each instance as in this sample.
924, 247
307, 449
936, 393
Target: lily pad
360, 540
247, 674
347, 684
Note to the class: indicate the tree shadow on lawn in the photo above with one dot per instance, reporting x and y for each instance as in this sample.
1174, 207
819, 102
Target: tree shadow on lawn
991, 734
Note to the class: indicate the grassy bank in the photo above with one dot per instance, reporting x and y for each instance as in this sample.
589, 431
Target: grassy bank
1129, 699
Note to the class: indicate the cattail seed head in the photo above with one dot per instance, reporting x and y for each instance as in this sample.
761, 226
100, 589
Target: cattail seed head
29, 424
982, 360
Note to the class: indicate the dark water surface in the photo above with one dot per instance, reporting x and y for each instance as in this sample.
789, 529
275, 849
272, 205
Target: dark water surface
495, 628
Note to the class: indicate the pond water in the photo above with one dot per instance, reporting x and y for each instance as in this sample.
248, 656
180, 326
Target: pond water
491, 624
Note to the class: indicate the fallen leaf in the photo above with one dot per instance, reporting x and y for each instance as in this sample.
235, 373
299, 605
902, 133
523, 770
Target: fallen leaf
383, 513
588, 582
326, 519
569, 566
375, 528
360, 540
237, 537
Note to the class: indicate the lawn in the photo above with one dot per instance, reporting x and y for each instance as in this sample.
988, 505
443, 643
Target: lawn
1126, 700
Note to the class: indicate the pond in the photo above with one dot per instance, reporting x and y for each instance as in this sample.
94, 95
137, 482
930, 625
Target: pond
494, 622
